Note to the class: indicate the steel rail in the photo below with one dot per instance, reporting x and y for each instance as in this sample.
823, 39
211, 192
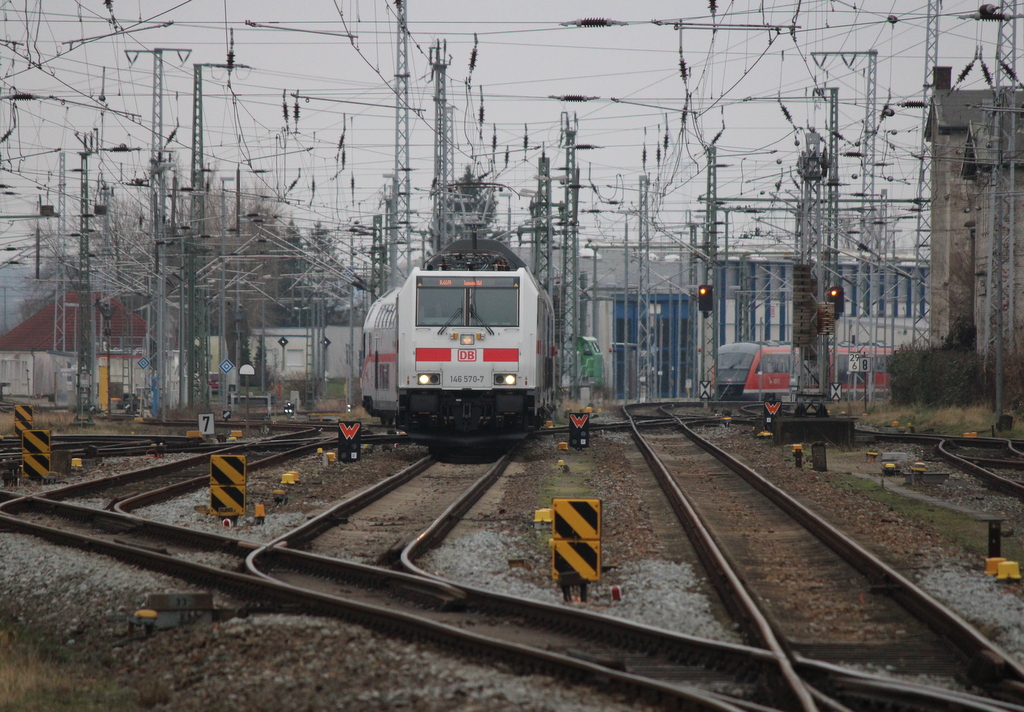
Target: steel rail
80, 489
972, 645
740, 660
331, 517
162, 494
725, 579
433, 535
259, 590
973, 465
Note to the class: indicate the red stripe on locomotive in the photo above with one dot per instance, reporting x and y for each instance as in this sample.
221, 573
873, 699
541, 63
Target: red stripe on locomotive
502, 355
433, 354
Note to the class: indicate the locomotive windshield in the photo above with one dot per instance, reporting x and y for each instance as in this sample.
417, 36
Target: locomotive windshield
465, 301
439, 306
495, 307
733, 366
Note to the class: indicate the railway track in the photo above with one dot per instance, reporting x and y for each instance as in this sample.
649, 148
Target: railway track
966, 454
396, 602
748, 531
678, 669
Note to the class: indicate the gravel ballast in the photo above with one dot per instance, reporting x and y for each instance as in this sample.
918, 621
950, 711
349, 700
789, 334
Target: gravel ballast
275, 662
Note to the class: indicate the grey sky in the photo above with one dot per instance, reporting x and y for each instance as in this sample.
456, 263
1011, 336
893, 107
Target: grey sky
738, 79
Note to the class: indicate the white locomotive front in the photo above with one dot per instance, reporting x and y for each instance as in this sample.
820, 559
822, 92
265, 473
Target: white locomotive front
474, 361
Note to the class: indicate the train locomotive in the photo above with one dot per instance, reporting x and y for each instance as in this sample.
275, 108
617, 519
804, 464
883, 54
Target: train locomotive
463, 353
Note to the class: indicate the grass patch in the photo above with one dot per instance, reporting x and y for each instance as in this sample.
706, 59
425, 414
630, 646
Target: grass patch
336, 388
35, 679
958, 529
946, 421
567, 484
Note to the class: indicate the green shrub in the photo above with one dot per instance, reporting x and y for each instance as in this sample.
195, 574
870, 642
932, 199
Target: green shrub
934, 377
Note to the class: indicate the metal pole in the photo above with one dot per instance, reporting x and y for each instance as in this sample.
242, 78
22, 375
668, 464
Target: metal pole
349, 387
625, 320
222, 341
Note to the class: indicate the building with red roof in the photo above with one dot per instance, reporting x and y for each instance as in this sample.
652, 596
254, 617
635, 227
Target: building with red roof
38, 357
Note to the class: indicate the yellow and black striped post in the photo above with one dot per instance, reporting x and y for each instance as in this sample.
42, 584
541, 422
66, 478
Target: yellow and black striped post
35, 453
576, 543
227, 485
22, 419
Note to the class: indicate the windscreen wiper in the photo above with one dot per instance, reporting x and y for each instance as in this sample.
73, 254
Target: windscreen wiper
451, 321
474, 315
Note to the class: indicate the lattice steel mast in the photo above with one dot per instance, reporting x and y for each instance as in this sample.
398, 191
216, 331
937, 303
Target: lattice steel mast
808, 287
569, 288
60, 295
83, 322
195, 352
444, 146
1001, 252
540, 211
401, 184
920, 300
708, 339
644, 365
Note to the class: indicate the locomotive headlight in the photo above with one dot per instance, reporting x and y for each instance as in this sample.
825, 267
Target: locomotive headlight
510, 379
467, 339
504, 379
428, 379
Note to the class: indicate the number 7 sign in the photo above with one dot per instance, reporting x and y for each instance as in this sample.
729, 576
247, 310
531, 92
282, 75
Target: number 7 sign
206, 424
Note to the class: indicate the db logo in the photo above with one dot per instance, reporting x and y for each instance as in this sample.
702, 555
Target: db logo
467, 354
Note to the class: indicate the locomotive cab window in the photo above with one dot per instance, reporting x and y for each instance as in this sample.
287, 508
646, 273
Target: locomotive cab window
467, 301
494, 307
439, 306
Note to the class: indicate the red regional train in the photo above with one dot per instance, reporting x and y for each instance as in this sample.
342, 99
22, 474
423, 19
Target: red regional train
762, 371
